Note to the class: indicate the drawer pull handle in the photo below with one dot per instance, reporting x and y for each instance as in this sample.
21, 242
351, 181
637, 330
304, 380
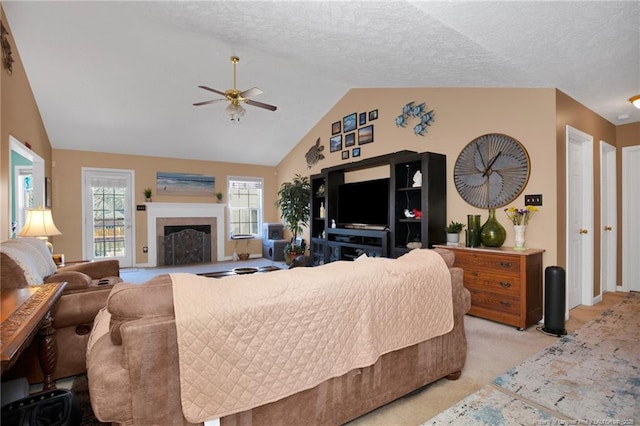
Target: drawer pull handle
505, 284
503, 303
505, 264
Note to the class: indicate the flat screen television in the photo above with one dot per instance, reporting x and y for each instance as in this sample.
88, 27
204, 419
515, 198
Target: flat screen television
362, 204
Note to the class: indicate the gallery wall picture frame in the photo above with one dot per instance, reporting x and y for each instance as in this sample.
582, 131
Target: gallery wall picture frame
362, 119
365, 134
349, 139
355, 152
335, 128
373, 115
335, 143
349, 122
345, 155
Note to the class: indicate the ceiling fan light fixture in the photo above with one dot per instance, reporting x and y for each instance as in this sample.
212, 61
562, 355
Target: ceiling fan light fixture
635, 100
235, 110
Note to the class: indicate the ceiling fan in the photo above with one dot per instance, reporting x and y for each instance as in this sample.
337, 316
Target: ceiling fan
235, 97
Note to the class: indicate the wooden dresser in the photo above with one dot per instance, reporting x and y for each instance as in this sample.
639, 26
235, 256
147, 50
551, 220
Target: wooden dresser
505, 284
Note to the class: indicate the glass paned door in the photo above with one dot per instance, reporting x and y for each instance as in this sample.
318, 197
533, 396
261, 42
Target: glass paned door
108, 216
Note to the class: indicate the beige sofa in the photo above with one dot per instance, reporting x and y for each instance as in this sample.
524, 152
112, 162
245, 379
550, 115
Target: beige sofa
27, 261
134, 365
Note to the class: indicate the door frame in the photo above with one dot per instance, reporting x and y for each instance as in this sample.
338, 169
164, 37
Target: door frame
38, 172
587, 207
608, 218
130, 259
630, 228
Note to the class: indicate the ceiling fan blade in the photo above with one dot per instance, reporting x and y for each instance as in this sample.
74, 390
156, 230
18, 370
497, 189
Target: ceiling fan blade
208, 102
213, 90
254, 91
261, 105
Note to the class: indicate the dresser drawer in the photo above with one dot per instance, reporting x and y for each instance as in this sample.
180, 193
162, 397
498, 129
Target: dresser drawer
483, 262
498, 283
495, 302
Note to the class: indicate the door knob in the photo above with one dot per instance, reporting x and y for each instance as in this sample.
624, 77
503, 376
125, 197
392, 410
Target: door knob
584, 231
607, 228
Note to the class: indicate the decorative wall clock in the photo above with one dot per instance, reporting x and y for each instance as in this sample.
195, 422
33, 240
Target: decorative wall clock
491, 171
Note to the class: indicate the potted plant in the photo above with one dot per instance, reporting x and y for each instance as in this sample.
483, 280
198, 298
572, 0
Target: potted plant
219, 196
293, 202
147, 194
453, 232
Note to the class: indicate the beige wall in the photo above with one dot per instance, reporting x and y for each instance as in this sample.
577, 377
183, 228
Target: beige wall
20, 118
460, 116
67, 189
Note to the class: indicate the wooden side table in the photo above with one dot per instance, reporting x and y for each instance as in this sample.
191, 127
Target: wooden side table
26, 312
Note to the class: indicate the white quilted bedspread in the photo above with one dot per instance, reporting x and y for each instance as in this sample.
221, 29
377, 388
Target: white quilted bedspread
248, 340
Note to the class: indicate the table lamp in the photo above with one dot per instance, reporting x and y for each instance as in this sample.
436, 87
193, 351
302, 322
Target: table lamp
40, 224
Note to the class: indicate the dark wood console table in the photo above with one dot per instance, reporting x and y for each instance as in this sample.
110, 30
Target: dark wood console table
25, 313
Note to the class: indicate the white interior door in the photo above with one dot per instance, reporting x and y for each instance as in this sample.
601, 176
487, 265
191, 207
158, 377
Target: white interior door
630, 223
579, 274
107, 211
609, 218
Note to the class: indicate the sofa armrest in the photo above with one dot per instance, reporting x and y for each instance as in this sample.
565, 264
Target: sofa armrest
80, 307
96, 270
75, 280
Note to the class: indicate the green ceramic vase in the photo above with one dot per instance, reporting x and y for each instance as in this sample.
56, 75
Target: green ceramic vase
492, 234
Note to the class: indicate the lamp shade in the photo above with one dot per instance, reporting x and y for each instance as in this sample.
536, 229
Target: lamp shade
39, 223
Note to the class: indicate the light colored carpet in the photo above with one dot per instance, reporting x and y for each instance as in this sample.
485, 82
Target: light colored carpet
591, 375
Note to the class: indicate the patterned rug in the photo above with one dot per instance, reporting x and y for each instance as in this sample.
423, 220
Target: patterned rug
588, 377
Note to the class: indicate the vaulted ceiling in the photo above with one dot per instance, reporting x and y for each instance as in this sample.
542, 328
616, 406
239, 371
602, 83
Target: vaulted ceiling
122, 76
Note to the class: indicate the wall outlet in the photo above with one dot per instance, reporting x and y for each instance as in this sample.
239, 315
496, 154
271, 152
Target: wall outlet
533, 200
145, 249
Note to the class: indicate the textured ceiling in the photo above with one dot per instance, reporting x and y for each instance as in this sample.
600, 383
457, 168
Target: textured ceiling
122, 76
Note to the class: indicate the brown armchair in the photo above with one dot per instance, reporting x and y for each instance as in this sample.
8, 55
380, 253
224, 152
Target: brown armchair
27, 261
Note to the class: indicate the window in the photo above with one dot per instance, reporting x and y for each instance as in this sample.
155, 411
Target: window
108, 202
244, 195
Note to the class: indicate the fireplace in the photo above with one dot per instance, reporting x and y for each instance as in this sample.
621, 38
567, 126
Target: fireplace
183, 215
184, 245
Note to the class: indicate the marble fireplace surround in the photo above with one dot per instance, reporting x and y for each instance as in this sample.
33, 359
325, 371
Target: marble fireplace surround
164, 211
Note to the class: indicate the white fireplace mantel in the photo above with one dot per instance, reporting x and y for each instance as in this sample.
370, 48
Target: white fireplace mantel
160, 210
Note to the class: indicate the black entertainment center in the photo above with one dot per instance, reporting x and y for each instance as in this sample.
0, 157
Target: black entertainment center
384, 217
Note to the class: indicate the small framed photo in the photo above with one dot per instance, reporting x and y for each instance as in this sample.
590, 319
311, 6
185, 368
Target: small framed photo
355, 152
373, 115
345, 155
349, 122
349, 139
362, 119
335, 128
335, 143
47, 193
365, 135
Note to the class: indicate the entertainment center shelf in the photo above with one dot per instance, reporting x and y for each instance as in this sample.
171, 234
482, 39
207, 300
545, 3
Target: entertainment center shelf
409, 204
348, 243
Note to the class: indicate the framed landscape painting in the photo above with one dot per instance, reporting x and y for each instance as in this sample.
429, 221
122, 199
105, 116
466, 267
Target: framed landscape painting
184, 184
335, 128
365, 135
349, 122
349, 139
335, 143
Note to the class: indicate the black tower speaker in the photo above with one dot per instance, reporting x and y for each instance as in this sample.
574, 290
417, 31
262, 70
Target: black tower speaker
554, 300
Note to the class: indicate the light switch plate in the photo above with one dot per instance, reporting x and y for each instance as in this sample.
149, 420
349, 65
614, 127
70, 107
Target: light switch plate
533, 200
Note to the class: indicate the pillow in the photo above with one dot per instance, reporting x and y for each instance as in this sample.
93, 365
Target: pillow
100, 328
24, 260
39, 245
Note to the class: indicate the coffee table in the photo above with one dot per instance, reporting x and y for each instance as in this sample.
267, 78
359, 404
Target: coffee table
239, 271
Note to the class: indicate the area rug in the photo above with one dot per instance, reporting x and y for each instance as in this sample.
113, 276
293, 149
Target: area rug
591, 375
80, 388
